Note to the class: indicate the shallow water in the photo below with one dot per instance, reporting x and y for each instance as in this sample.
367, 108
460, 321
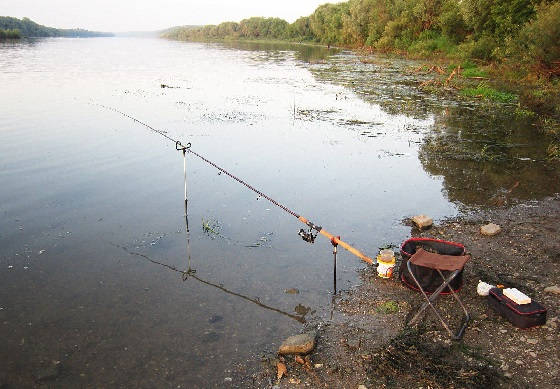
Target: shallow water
92, 203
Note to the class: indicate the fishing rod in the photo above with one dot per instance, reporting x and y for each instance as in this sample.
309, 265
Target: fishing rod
308, 236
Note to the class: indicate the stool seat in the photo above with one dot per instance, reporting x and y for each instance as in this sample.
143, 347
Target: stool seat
437, 261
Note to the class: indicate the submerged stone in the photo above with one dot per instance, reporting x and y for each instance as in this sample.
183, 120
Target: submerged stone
490, 229
298, 344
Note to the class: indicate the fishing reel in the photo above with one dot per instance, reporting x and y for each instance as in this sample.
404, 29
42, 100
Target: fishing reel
307, 235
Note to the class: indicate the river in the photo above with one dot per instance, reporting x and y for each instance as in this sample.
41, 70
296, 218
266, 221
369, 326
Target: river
92, 231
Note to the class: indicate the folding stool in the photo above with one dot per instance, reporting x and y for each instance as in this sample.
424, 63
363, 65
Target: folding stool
439, 263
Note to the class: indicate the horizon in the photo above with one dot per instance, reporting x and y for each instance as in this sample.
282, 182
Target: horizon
147, 16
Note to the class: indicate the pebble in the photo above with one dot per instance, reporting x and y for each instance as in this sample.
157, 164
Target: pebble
48, 373
298, 344
318, 365
228, 379
555, 289
291, 291
507, 374
490, 229
532, 341
362, 387
534, 355
503, 331
422, 221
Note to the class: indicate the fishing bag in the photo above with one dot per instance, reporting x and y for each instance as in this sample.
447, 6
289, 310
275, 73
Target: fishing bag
520, 315
429, 278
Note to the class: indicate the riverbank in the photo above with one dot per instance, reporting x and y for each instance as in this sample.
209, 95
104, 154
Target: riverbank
366, 342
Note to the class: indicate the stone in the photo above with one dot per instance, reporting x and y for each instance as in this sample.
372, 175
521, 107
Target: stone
532, 341
291, 291
362, 387
490, 229
48, 373
422, 221
298, 344
555, 289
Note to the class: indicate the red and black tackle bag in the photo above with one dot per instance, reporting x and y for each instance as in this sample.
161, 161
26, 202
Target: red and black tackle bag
429, 278
520, 315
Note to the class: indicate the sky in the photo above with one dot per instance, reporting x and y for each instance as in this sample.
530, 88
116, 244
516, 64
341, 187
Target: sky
148, 15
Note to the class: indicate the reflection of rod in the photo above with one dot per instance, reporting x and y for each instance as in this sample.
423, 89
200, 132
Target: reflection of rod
179, 146
191, 273
301, 319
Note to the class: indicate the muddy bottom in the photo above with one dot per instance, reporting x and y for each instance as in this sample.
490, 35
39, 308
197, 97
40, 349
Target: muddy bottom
366, 341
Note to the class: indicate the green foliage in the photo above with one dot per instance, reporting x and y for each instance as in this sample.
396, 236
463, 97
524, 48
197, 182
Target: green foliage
10, 34
539, 40
28, 28
430, 42
488, 30
487, 92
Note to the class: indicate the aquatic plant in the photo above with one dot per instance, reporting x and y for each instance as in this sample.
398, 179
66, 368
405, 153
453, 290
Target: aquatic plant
211, 227
483, 90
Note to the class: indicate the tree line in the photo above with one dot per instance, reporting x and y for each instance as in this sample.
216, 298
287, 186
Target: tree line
9, 34
27, 28
527, 30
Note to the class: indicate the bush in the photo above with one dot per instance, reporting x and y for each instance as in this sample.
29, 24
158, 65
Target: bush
539, 40
483, 48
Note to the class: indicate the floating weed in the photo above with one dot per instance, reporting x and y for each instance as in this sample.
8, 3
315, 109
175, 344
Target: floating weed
489, 93
211, 227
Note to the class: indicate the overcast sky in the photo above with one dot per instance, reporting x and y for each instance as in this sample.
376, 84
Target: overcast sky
136, 15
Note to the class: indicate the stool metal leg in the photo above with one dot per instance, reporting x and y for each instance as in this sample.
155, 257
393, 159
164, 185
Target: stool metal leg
430, 299
467, 317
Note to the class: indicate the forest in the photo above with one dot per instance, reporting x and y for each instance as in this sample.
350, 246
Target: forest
9, 34
524, 31
16, 28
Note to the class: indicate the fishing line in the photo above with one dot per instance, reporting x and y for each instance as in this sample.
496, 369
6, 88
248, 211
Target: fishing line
307, 236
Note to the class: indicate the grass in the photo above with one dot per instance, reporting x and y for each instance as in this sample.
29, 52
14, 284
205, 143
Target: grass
388, 307
485, 91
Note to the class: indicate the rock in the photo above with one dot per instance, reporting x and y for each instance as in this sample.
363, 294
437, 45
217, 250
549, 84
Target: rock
422, 221
490, 229
291, 291
362, 387
298, 344
532, 341
48, 373
552, 289
507, 374
228, 379
553, 252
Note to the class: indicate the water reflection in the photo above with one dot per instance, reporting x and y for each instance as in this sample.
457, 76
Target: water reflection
488, 157
276, 50
190, 273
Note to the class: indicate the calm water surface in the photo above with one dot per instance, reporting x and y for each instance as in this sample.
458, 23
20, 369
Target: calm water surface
91, 203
